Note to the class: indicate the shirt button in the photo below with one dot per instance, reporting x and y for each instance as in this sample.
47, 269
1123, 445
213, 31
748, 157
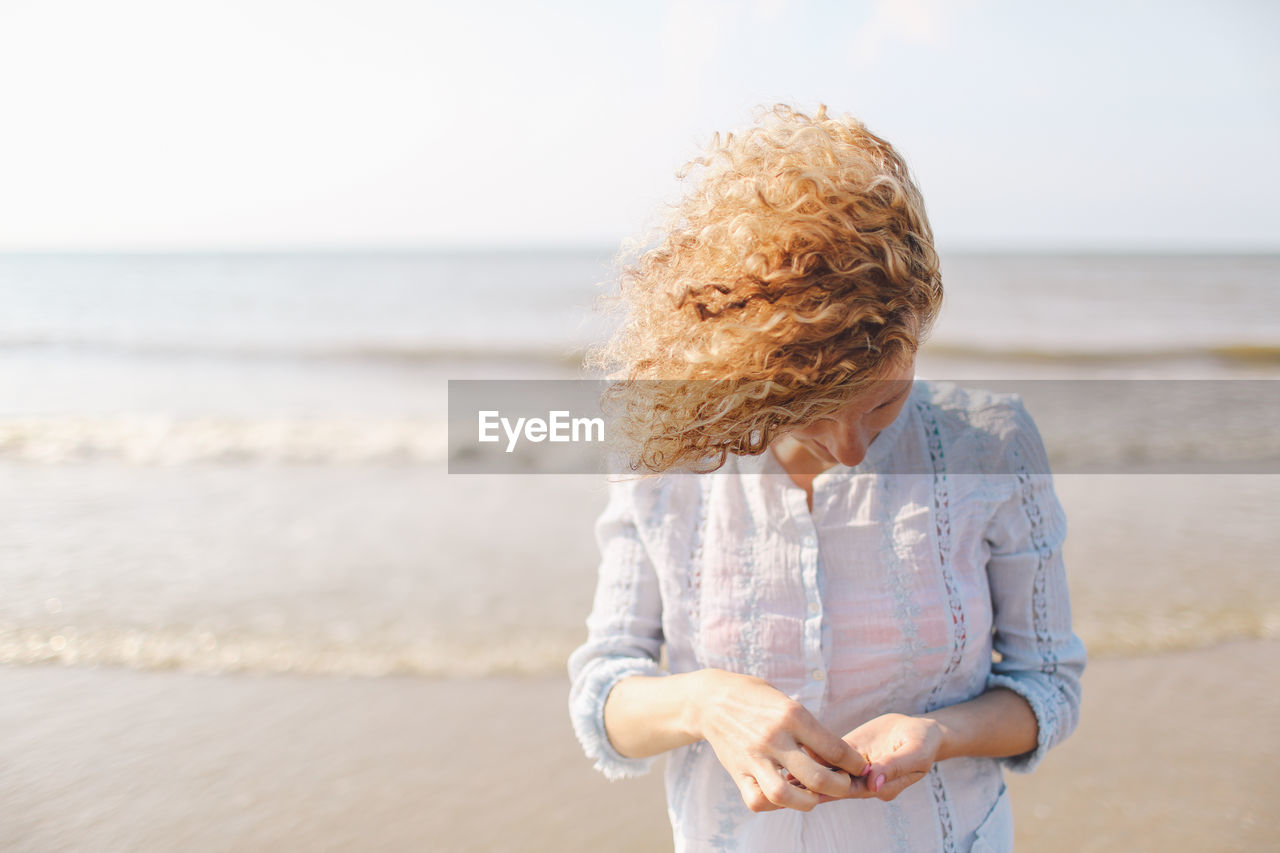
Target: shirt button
809, 541
813, 607
818, 675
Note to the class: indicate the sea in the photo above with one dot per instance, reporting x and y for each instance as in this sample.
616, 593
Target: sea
237, 462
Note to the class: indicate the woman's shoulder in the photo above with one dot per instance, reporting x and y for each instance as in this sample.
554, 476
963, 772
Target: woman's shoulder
654, 500
993, 428
978, 408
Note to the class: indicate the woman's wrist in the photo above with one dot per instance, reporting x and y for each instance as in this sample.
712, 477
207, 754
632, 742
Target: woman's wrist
949, 729
699, 688
943, 735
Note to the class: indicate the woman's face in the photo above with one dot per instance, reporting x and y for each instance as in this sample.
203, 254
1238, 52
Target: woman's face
845, 435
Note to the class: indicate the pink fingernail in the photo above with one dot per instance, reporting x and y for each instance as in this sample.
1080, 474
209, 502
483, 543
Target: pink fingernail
879, 782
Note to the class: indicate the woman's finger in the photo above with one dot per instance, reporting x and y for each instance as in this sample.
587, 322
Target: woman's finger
891, 788
865, 767
897, 770
825, 746
817, 777
754, 798
778, 791
888, 777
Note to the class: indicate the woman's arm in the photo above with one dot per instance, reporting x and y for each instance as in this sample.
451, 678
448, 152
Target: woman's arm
624, 633
997, 724
1041, 658
648, 716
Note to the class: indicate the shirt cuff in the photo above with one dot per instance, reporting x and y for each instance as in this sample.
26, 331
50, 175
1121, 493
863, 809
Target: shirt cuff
586, 709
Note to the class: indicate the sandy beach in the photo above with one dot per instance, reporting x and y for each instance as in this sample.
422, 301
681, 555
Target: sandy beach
1176, 751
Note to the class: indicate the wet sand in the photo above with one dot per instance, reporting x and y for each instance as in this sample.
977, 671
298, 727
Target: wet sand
1176, 751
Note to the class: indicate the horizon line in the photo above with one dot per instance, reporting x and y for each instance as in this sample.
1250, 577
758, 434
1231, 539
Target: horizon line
599, 248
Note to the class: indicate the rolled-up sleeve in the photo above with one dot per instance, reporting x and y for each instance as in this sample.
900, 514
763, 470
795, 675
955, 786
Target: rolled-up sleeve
1041, 658
624, 632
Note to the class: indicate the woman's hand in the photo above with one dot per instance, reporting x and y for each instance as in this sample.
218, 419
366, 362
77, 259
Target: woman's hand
901, 749
761, 735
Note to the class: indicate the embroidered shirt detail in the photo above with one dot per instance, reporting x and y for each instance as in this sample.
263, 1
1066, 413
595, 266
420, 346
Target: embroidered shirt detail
943, 809
1039, 592
942, 529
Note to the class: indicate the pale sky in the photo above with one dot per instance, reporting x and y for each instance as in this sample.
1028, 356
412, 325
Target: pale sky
330, 124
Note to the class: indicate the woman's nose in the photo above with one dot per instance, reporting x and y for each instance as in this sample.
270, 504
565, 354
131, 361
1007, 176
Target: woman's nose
852, 450
847, 439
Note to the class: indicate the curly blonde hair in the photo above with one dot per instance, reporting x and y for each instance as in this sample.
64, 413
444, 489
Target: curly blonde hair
798, 267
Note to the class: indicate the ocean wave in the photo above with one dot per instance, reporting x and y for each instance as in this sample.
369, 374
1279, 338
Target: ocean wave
373, 351
520, 653
1177, 629
164, 440
1241, 443
204, 650
1243, 353
1252, 353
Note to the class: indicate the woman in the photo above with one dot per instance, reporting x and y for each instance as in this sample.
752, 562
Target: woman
861, 592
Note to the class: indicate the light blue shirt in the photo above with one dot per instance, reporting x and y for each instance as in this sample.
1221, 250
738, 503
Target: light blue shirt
924, 576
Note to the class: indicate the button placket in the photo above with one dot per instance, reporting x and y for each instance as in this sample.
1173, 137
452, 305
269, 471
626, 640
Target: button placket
815, 682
